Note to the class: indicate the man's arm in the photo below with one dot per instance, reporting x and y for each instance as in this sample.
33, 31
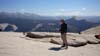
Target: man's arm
0, 27
66, 27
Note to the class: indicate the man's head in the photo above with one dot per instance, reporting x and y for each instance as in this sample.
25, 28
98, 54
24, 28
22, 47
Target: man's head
62, 21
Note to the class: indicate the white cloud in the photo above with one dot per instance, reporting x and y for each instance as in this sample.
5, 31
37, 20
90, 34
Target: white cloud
83, 9
65, 12
62, 10
75, 13
22, 10
61, 13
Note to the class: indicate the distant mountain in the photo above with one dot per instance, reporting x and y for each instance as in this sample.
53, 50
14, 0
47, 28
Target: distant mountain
6, 15
32, 22
95, 19
81, 24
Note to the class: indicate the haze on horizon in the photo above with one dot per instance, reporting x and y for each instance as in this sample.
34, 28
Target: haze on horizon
53, 7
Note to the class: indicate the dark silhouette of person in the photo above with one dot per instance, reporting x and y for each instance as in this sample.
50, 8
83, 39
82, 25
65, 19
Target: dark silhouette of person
63, 31
0, 28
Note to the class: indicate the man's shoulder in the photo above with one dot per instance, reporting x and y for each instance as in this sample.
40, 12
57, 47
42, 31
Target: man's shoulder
65, 23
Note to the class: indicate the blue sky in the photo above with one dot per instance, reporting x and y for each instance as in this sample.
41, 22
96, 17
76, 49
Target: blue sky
53, 7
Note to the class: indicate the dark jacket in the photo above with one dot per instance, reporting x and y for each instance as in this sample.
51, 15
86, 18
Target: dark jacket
63, 28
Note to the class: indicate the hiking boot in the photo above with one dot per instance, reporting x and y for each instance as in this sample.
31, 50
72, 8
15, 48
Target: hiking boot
66, 47
63, 45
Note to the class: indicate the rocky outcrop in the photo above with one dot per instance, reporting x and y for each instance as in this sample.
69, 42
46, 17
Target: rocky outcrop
71, 42
5, 25
31, 35
73, 39
77, 40
91, 39
41, 34
94, 30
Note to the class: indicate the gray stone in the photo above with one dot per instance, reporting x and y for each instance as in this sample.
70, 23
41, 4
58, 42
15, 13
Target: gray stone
31, 35
71, 42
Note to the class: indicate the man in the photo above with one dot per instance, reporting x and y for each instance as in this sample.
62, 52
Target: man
63, 30
0, 28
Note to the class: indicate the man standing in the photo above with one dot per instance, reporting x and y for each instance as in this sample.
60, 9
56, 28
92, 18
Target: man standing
63, 30
0, 27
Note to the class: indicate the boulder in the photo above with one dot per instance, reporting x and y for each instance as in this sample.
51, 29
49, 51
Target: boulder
57, 41
71, 42
31, 35
77, 42
91, 39
41, 35
73, 39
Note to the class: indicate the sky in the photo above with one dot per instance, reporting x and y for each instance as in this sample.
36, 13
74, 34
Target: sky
53, 7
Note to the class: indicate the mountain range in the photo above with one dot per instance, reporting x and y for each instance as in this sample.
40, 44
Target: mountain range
32, 22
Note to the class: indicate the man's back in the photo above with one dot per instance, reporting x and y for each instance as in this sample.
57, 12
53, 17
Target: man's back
0, 27
63, 28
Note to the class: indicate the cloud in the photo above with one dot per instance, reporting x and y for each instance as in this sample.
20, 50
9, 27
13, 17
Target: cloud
83, 9
62, 10
22, 10
75, 13
67, 12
